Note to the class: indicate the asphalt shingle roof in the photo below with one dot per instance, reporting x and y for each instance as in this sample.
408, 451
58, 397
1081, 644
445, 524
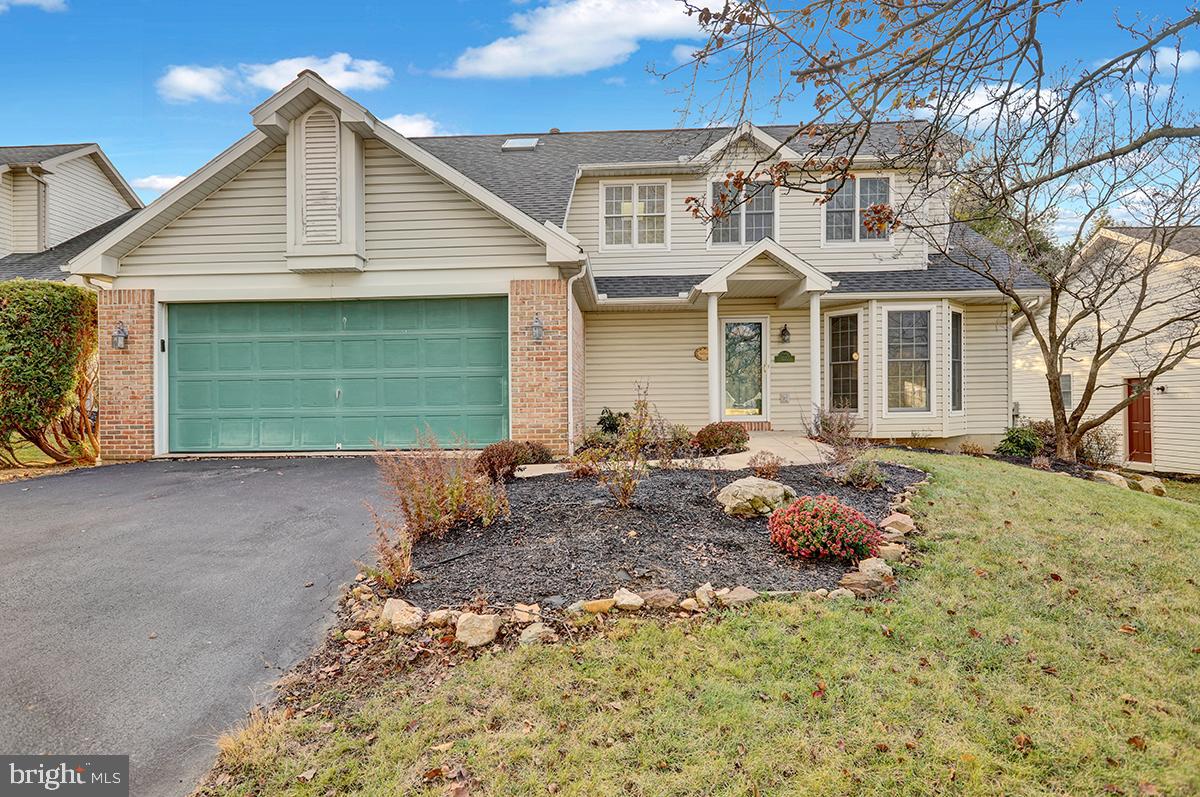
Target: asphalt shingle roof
47, 265
944, 275
35, 153
540, 181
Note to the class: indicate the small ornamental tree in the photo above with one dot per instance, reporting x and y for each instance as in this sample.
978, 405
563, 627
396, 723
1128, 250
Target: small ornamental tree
47, 357
822, 526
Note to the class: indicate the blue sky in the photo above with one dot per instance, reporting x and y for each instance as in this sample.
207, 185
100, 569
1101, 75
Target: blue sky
165, 86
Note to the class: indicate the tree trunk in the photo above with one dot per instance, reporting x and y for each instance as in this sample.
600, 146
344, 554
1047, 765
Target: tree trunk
1067, 445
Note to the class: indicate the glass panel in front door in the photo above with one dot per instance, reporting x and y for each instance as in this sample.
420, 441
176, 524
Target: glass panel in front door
743, 368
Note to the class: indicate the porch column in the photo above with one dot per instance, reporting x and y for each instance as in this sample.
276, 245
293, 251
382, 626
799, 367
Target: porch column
814, 352
714, 358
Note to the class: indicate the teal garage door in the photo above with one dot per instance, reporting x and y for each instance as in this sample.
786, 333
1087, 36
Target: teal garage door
296, 376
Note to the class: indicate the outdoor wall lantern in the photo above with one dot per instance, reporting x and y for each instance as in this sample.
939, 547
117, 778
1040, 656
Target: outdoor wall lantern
120, 335
537, 327
785, 335
1161, 388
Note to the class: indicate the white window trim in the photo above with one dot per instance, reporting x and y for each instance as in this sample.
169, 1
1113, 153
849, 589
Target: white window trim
828, 348
741, 242
858, 242
950, 360
666, 244
765, 415
934, 394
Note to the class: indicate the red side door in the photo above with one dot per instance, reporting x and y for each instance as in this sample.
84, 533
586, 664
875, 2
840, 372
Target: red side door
1137, 423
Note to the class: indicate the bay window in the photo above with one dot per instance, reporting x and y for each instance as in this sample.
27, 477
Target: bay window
908, 361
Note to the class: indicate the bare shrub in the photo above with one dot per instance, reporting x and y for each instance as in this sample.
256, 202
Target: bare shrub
835, 428
434, 490
624, 465
766, 465
865, 474
393, 557
1100, 447
972, 449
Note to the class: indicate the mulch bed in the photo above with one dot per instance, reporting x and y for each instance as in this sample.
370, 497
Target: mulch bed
568, 540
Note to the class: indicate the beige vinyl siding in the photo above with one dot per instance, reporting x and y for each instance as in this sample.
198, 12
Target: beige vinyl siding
985, 371
6, 212
1176, 418
414, 223
657, 351
79, 197
26, 214
415, 220
800, 223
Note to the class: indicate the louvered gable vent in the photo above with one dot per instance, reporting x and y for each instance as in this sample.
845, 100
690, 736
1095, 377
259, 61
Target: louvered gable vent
321, 178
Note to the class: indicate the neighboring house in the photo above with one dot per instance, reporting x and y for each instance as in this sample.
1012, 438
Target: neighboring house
56, 200
326, 283
1159, 431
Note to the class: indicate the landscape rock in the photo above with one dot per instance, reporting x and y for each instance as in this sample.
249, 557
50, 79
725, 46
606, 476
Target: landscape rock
574, 608
840, 593
475, 630
537, 633
659, 599
1145, 483
754, 497
738, 596
820, 594
861, 585
526, 613
1108, 477
875, 567
891, 551
355, 636
627, 601
899, 523
705, 594
402, 616
442, 618
599, 605
689, 604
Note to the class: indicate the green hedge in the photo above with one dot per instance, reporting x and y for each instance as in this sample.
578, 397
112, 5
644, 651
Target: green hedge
47, 338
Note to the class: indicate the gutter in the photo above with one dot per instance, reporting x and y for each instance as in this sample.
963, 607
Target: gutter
571, 356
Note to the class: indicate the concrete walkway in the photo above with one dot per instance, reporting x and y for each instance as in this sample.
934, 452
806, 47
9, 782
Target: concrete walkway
793, 448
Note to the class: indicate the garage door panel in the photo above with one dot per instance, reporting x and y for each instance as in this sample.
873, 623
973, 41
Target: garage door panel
324, 375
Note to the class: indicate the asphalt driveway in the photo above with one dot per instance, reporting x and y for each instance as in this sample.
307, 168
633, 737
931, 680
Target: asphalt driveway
210, 558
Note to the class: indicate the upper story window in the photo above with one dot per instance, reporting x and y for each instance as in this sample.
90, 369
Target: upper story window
635, 214
847, 209
748, 221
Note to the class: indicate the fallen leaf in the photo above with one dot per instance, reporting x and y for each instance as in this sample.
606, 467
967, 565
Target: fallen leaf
1127, 629
1008, 640
437, 773
1148, 788
887, 632
819, 692
443, 747
1136, 742
1112, 762
974, 632
1022, 742
307, 775
882, 747
1112, 788
1048, 670
1055, 577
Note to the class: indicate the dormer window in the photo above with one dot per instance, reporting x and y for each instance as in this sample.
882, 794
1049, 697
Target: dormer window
635, 214
748, 217
846, 210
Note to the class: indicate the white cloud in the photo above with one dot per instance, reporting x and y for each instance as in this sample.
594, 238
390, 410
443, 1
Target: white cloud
45, 5
188, 83
340, 70
571, 37
414, 124
682, 53
157, 182
1180, 60
614, 80
191, 83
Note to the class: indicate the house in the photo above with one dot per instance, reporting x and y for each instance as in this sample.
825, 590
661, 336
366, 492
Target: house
326, 283
55, 201
1161, 430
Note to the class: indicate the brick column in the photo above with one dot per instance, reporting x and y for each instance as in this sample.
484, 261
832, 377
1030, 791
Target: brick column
539, 377
126, 390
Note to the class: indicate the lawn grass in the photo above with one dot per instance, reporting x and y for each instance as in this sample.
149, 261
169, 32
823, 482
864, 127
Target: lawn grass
1046, 646
1183, 490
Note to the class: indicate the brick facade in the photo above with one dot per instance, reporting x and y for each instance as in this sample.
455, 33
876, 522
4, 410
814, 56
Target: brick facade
126, 389
539, 375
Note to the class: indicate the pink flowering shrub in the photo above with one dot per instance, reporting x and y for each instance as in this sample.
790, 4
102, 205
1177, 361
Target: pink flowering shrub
814, 527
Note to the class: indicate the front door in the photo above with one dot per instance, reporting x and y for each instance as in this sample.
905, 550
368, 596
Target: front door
745, 372
1137, 423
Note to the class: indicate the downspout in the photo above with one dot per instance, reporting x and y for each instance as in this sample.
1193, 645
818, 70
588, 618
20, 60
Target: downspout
571, 357
42, 210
